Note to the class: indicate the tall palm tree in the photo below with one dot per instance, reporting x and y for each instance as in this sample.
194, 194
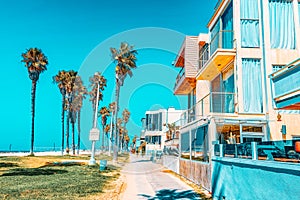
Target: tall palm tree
126, 116
104, 113
70, 82
112, 109
60, 79
125, 59
80, 94
107, 130
35, 62
97, 82
120, 131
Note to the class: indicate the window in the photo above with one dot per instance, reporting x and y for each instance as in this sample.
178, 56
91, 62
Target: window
252, 86
222, 96
224, 25
227, 27
275, 68
249, 23
282, 26
299, 11
154, 122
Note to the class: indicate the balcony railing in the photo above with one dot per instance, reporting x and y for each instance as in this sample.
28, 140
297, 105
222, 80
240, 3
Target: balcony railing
223, 39
281, 151
179, 76
203, 56
214, 102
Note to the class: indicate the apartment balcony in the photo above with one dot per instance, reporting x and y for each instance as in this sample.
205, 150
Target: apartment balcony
187, 60
286, 86
184, 83
217, 55
213, 103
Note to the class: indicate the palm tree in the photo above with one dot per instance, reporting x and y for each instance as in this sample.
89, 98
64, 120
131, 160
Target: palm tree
98, 84
112, 109
60, 80
126, 116
70, 82
80, 92
104, 113
35, 62
107, 130
120, 131
125, 59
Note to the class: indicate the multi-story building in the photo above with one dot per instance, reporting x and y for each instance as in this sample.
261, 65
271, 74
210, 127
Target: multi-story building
228, 77
156, 125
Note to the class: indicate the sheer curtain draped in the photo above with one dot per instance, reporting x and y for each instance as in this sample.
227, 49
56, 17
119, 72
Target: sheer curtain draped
252, 86
249, 23
282, 26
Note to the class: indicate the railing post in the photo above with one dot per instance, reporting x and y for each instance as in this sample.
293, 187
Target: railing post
221, 150
254, 150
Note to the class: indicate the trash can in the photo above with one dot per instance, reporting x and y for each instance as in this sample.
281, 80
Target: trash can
103, 165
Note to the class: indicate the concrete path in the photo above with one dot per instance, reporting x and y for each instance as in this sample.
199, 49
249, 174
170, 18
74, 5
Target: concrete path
146, 180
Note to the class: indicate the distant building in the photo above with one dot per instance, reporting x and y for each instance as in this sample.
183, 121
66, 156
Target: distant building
156, 127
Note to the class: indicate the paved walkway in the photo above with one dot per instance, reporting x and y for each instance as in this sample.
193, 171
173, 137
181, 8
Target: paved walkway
145, 180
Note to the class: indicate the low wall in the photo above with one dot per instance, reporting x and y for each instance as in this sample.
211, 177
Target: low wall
171, 162
197, 172
235, 178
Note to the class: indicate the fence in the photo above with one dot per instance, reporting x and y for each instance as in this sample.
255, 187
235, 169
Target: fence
281, 151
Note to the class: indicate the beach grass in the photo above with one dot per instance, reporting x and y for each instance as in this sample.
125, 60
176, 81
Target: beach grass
53, 177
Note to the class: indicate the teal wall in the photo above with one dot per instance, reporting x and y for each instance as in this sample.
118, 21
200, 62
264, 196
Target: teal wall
243, 179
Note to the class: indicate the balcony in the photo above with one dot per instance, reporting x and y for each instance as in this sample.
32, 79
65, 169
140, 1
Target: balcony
187, 59
184, 84
286, 86
221, 53
213, 103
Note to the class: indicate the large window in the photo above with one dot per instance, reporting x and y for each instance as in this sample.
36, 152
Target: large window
252, 85
249, 23
222, 96
154, 122
282, 26
221, 35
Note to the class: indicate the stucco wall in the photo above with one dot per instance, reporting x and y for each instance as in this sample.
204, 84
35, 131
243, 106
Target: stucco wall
171, 162
248, 179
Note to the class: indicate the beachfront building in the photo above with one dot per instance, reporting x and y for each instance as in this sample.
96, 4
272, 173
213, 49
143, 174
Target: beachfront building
156, 127
226, 75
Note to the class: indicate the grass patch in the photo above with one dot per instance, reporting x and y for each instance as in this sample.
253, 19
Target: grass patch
22, 179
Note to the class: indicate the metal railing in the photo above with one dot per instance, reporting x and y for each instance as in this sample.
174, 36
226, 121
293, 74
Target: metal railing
203, 56
179, 76
214, 102
281, 151
223, 39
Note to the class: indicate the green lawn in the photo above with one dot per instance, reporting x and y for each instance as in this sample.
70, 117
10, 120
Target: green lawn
39, 178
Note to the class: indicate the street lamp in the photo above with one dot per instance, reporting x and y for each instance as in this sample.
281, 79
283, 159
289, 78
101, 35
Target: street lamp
94, 132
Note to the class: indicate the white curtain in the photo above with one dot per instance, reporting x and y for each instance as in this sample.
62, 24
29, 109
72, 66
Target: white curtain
249, 23
282, 26
252, 86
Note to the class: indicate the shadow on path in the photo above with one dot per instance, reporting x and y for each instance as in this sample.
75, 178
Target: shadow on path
166, 194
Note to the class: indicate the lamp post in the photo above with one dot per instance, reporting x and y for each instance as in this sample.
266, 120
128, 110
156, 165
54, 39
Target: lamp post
94, 132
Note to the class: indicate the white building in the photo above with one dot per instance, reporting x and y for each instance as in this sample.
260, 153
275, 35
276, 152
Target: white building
155, 127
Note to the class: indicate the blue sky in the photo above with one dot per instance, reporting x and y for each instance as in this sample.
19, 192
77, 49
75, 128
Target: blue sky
76, 35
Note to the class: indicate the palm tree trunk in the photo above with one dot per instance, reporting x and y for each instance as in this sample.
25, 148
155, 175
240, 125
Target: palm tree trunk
68, 131
103, 135
110, 134
116, 135
73, 136
63, 125
33, 91
78, 127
